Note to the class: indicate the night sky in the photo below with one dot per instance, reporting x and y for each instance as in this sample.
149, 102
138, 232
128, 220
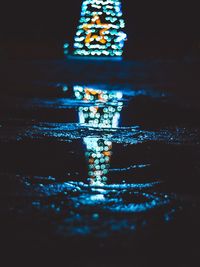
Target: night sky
145, 22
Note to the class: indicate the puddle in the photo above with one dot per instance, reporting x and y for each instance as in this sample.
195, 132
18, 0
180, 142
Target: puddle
83, 160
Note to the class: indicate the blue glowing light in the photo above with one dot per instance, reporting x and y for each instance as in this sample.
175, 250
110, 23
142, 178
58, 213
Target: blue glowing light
99, 32
104, 112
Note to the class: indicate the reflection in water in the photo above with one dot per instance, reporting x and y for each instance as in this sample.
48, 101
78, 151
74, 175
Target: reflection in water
98, 207
100, 109
104, 112
104, 109
98, 155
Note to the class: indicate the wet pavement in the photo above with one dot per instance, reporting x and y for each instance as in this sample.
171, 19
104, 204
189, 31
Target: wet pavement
104, 171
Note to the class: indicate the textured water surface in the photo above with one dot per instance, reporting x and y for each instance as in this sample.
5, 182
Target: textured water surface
96, 161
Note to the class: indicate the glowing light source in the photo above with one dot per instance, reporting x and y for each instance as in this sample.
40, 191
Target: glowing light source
98, 37
99, 32
66, 48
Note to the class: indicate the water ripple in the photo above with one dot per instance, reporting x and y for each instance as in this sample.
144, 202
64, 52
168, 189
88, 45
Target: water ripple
66, 132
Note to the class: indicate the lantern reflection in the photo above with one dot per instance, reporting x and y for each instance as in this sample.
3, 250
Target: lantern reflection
103, 111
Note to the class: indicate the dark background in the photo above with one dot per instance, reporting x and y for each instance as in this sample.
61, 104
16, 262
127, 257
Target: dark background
164, 30
155, 29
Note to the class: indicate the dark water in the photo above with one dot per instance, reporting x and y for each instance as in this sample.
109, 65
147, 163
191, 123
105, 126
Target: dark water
99, 175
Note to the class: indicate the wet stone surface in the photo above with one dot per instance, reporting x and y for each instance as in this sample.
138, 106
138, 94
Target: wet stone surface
98, 168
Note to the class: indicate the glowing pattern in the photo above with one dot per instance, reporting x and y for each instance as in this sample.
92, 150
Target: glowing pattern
97, 37
104, 111
100, 30
66, 48
106, 108
98, 154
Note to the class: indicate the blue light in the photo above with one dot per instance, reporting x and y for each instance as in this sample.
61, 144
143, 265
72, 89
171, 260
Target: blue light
103, 112
98, 32
66, 45
65, 88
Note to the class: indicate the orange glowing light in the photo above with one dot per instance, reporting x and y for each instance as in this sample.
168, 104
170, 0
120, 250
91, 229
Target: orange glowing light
91, 37
107, 153
93, 92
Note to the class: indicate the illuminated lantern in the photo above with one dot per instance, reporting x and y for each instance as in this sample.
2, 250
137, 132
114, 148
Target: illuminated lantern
100, 30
